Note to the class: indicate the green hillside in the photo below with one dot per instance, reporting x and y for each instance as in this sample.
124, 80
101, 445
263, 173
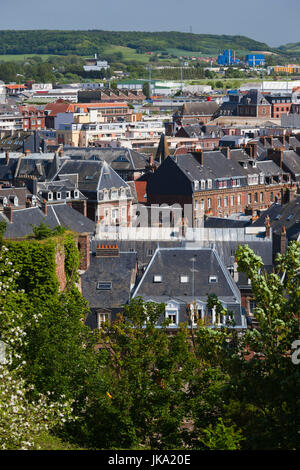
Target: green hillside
88, 42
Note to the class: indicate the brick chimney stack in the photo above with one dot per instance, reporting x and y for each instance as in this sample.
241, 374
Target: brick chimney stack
8, 212
276, 155
44, 207
226, 152
268, 227
198, 154
283, 240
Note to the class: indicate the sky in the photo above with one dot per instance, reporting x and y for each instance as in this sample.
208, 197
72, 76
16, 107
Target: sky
274, 22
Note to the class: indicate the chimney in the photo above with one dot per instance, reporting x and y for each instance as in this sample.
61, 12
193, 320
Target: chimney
276, 155
268, 227
107, 251
8, 212
226, 152
253, 149
198, 155
263, 140
281, 138
6, 157
44, 207
83, 245
283, 240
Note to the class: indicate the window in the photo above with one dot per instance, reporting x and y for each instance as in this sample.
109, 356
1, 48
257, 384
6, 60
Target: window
196, 315
202, 184
150, 252
196, 185
209, 184
261, 197
225, 201
249, 198
102, 318
213, 279
114, 214
184, 279
209, 203
232, 200
76, 194
219, 202
68, 194
239, 199
196, 205
106, 285
58, 195
157, 278
50, 196
172, 314
202, 204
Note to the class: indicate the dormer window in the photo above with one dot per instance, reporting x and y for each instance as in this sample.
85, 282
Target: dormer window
68, 194
172, 316
184, 279
58, 195
50, 196
157, 278
213, 279
202, 184
196, 185
209, 184
114, 194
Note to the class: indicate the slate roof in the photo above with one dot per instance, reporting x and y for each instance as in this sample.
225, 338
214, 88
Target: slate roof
118, 271
58, 214
40, 166
90, 175
287, 215
254, 97
118, 159
215, 165
172, 263
291, 160
220, 222
10, 193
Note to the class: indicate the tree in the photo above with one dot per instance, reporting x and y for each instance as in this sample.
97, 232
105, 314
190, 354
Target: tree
146, 90
259, 393
24, 413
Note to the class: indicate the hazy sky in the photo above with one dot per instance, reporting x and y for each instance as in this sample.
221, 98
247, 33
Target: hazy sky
275, 22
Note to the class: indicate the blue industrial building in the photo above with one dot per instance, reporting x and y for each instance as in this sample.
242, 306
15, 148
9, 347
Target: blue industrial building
228, 58
253, 60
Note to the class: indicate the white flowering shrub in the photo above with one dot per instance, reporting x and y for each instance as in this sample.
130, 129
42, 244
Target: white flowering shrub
23, 419
24, 413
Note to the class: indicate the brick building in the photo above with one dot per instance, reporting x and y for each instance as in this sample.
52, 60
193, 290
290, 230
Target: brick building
218, 183
254, 104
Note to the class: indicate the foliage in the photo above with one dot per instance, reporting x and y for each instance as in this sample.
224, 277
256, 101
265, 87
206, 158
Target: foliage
45, 231
24, 413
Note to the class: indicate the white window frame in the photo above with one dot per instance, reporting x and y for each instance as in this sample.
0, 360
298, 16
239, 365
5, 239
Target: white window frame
157, 278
